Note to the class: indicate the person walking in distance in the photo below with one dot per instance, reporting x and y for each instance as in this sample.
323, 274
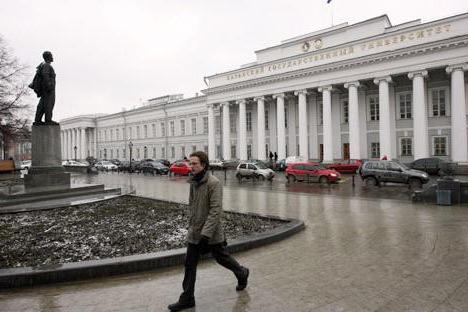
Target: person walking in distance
205, 230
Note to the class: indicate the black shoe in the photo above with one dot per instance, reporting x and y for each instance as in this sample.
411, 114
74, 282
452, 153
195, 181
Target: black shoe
181, 305
242, 280
38, 123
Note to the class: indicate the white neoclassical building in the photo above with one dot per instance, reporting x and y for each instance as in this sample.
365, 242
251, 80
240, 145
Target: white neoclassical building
350, 91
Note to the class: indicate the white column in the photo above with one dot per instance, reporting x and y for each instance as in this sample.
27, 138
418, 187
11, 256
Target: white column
226, 132
75, 143
302, 103
327, 124
384, 115
67, 153
280, 125
353, 120
96, 146
458, 112
242, 130
83, 144
211, 132
260, 128
420, 127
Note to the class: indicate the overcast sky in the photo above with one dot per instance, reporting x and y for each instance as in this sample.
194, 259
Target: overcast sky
111, 54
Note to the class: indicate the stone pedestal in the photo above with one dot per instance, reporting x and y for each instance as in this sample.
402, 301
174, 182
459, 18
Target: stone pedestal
46, 172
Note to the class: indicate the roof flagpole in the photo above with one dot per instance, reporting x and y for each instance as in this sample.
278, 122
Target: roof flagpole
331, 11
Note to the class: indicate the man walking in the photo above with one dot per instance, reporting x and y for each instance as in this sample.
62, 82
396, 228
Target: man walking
205, 230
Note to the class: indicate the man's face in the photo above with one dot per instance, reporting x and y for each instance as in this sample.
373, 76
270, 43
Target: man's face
197, 167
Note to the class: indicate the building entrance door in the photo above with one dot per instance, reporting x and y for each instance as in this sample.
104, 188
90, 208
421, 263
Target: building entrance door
345, 151
321, 152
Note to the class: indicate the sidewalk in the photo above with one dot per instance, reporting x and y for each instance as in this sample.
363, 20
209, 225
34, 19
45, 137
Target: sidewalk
355, 255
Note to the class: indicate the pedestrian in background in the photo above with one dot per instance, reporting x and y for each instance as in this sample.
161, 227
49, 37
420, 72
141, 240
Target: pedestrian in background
205, 230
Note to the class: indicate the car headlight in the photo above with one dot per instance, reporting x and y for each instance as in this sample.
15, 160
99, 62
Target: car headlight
332, 174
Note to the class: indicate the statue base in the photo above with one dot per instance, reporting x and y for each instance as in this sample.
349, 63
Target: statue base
46, 172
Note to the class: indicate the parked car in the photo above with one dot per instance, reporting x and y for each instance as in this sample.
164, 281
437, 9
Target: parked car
346, 166
26, 164
250, 170
115, 162
73, 163
374, 172
433, 166
165, 162
154, 167
181, 167
105, 165
311, 172
230, 163
280, 165
216, 164
263, 162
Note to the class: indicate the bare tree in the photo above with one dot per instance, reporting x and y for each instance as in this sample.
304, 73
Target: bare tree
13, 88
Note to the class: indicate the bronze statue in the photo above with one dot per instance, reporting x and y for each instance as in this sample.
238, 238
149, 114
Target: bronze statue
44, 86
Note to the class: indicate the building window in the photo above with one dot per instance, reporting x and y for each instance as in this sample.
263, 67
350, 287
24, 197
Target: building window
205, 125
194, 126
439, 144
124, 153
138, 153
138, 132
194, 148
123, 134
375, 150
182, 151
233, 151
111, 135
117, 136
117, 153
232, 123
286, 108
163, 152
129, 132
205, 149
345, 111
439, 102
218, 151
172, 128
153, 130
145, 131
172, 152
218, 124
249, 151
182, 127
374, 108
406, 146
154, 152
320, 112
145, 152
105, 135
112, 154
405, 109
249, 121
267, 125
163, 129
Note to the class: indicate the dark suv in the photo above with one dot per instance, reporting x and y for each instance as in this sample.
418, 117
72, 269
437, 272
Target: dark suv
374, 172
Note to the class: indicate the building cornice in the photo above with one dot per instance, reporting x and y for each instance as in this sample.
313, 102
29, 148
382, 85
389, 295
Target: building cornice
346, 64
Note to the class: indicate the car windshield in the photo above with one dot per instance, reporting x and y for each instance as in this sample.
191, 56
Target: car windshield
261, 165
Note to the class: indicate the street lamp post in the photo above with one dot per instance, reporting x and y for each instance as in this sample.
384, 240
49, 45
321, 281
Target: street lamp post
130, 145
75, 148
146, 152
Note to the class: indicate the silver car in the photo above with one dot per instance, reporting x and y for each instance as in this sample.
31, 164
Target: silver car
255, 171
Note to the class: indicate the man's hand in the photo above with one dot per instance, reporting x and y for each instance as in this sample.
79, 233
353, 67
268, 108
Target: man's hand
203, 244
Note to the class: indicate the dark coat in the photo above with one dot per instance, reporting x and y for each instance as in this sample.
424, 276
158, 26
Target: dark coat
206, 210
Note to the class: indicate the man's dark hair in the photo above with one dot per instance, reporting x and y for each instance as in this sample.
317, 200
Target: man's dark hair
46, 55
203, 158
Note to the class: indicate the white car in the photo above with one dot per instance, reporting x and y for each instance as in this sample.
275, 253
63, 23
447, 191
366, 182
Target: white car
73, 163
216, 164
254, 170
105, 165
25, 164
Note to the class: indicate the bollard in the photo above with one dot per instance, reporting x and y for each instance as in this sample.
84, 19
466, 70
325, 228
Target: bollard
225, 174
353, 180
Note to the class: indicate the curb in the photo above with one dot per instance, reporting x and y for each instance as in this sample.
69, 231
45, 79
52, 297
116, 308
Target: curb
32, 276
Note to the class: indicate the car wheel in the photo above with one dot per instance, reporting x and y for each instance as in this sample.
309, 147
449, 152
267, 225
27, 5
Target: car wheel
370, 181
415, 183
323, 180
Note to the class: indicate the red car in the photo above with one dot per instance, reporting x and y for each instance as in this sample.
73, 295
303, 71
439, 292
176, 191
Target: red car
346, 166
313, 172
180, 167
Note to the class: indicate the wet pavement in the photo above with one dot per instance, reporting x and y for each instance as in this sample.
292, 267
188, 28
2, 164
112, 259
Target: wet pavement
360, 251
